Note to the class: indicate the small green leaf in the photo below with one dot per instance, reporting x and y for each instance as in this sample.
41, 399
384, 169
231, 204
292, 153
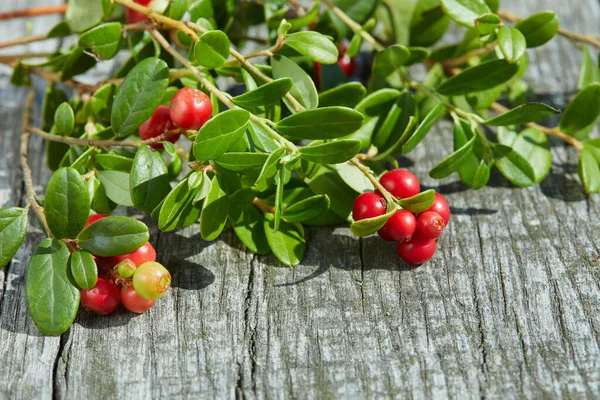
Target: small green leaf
287, 243
83, 269
100, 202
354, 177
481, 77
139, 95
589, 71
13, 228
306, 209
322, 123
389, 60
313, 45
243, 163
250, 229
487, 23
327, 181
266, 94
179, 208
203, 189
582, 111
52, 300
346, 95
396, 121
335, 152
428, 24
533, 146
304, 89
366, 227
113, 236
83, 14
530, 112
116, 185
453, 162
102, 101
465, 12
67, 203
212, 49
61, 29
114, 162
170, 148
104, 40
419, 202
76, 62
220, 133
513, 166
418, 55
149, 179
214, 211
539, 28
53, 98
375, 107
64, 120
415, 137
269, 170
589, 170
512, 43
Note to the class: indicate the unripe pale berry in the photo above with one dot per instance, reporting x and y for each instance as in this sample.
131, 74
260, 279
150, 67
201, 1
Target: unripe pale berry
126, 268
399, 228
134, 302
151, 280
400, 183
159, 123
368, 205
440, 206
102, 299
190, 108
430, 225
417, 250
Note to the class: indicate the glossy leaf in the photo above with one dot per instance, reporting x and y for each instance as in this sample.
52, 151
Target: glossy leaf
395, 123
287, 243
369, 226
250, 229
83, 14
220, 133
214, 211
539, 28
582, 111
419, 202
266, 94
530, 112
243, 163
52, 300
512, 43
341, 196
322, 123
513, 166
589, 170
484, 76
354, 177
453, 162
346, 95
415, 137
589, 71
64, 120
487, 23
113, 236
335, 152
13, 228
428, 24
313, 45
269, 170
304, 89
534, 146
465, 12
104, 40
114, 162
116, 185
179, 206
83, 269
149, 179
212, 49
389, 60
67, 203
375, 108
307, 209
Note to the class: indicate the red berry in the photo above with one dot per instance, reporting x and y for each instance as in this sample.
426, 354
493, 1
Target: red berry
140, 256
136, 16
400, 183
93, 218
399, 228
102, 299
368, 205
159, 123
417, 250
317, 75
430, 225
151, 280
347, 64
134, 302
190, 108
440, 206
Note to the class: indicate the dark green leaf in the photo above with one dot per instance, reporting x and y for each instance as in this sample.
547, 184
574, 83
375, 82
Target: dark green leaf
414, 138
533, 146
453, 162
286, 243
20, 77
64, 120
589, 71
149, 179
220, 133
429, 23
346, 95
67, 203
582, 111
116, 185
53, 98
327, 181
212, 49
203, 189
513, 166
269, 170
395, 122
419, 202
313, 45
589, 170
369, 226
530, 112
83, 14
266, 94
306, 209
465, 12
139, 95
52, 300
83, 269
104, 40
13, 228
335, 152
243, 163
417, 55
214, 211
322, 123
102, 101
113, 236
304, 89
487, 23
375, 107
539, 28
62, 29
114, 162
512, 43
77, 62
389, 60
249, 227
179, 208
481, 77
100, 202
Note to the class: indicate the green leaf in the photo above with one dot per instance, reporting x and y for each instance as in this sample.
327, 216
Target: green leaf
512, 43
77, 62
582, 111
589, 170
589, 71
67, 203
178, 8
243, 163
375, 107
13, 228
369, 226
428, 24
116, 185
113, 236
100, 202
327, 181
322, 123
83, 14
487, 23
346, 95
268, 93
53, 98
64, 120
250, 229
465, 12
102, 101
306, 209
513, 166
533, 146
481, 77
179, 205
220, 133
453, 162
52, 300
139, 95
149, 179
269, 169
415, 137
61, 29
418, 55
287, 243
539, 28
259, 138
214, 211
83, 269
212, 49
304, 89
335, 152
114, 162
530, 112
389, 60
104, 40
353, 177
396, 121
313, 45
419, 202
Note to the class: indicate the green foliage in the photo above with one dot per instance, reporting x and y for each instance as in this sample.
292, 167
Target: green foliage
113, 236
67, 203
13, 228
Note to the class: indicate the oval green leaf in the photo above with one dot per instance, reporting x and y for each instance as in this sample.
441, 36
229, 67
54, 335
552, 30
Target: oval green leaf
369, 226
313, 45
419, 202
321, 124
250, 229
306, 209
453, 162
304, 89
243, 163
220, 133
83, 269
269, 170
212, 49
287, 243
465, 12
512, 43
481, 77
589, 170
539, 28
67, 203
149, 179
116, 186
64, 120
113, 236
346, 95
13, 228
335, 152
104, 40
266, 94
389, 60
582, 111
513, 166
523, 114
415, 137
214, 211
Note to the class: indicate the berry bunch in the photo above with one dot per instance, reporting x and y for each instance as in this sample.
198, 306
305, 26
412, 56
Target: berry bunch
136, 280
415, 233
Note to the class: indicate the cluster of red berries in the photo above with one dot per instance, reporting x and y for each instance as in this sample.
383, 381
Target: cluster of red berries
136, 280
190, 109
416, 234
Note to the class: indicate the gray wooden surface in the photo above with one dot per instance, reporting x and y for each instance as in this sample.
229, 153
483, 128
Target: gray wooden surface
509, 307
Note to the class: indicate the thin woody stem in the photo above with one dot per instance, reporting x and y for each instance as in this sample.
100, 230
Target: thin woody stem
103, 143
23, 40
457, 62
27, 175
34, 12
369, 174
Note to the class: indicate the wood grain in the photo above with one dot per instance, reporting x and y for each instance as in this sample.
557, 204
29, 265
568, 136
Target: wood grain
510, 306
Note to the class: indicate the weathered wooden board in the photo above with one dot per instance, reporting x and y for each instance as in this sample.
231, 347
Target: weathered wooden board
510, 306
